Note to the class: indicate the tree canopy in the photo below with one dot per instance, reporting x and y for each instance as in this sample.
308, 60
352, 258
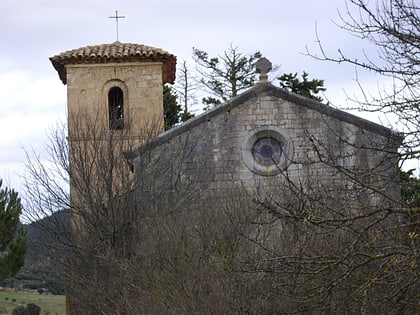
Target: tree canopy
171, 107
304, 87
173, 112
12, 236
226, 75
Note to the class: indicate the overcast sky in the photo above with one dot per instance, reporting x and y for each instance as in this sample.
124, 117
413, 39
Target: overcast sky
33, 98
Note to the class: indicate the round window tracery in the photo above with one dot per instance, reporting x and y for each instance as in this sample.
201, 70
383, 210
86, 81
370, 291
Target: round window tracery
267, 150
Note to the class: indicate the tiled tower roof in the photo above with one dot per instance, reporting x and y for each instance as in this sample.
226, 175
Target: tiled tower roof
116, 52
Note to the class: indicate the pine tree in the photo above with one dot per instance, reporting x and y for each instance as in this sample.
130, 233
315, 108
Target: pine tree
12, 236
170, 107
304, 87
173, 112
226, 75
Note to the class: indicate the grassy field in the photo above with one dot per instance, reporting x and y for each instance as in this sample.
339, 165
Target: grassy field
49, 304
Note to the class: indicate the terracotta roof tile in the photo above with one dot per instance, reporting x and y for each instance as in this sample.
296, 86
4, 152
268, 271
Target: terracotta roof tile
116, 52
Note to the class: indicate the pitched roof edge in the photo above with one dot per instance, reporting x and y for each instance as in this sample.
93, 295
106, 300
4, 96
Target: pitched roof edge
198, 120
268, 89
336, 113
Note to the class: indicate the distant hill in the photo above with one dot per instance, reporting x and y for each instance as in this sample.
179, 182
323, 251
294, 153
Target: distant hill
43, 267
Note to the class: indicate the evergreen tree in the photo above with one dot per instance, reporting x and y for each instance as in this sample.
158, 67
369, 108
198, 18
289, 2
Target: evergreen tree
170, 107
226, 75
304, 87
12, 237
173, 112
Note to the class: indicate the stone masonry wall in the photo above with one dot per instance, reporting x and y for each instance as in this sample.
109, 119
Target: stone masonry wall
88, 88
320, 145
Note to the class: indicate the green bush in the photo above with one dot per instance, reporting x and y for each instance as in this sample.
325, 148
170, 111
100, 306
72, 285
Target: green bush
30, 309
20, 310
33, 309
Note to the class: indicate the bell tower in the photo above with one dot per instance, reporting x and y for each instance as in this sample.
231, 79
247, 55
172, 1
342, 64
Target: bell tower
114, 102
114, 99
118, 86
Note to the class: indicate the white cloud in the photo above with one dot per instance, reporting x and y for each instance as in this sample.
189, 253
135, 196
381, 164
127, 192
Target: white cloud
30, 105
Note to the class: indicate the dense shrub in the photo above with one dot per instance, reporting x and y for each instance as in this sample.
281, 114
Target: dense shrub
20, 310
33, 309
30, 309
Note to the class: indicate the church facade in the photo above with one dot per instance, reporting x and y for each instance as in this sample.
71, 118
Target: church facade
267, 133
274, 150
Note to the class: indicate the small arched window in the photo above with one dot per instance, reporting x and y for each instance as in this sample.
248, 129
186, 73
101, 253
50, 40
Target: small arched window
116, 108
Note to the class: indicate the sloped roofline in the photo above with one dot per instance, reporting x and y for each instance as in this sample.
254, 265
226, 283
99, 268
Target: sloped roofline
266, 88
116, 52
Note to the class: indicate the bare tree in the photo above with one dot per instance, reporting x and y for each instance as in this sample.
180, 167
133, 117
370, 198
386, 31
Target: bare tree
161, 242
339, 241
147, 243
331, 237
158, 242
226, 75
328, 234
393, 27
103, 208
186, 87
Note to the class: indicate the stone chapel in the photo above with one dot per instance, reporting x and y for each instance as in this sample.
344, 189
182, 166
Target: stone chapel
253, 142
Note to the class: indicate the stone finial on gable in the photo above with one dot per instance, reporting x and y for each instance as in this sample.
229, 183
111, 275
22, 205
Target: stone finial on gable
263, 66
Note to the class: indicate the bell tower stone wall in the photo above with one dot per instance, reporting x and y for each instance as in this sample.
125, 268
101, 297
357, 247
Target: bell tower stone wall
114, 103
87, 95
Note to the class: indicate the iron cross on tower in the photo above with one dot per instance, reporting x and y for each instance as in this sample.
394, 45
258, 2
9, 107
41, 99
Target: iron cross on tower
116, 17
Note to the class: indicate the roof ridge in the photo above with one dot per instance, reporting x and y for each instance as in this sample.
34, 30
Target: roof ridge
116, 52
259, 89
